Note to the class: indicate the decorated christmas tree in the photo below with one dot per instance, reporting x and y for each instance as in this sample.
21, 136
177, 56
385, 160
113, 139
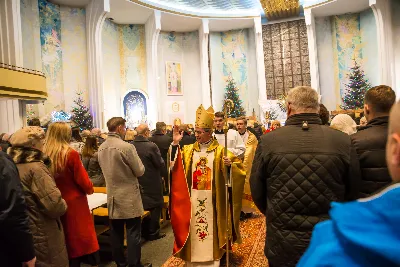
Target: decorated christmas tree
80, 114
358, 85
231, 92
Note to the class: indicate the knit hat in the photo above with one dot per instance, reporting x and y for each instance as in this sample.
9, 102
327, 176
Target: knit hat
344, 123
27, 136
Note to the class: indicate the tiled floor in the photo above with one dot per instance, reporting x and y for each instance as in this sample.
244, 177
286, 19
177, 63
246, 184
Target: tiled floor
155, 252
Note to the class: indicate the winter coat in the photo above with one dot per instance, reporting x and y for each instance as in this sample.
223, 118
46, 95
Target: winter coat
121, 166
151, 181
360, 233
370, 144
163, 141
74, 184
45, 206
297, 171
16, 244
93, 169
78, 146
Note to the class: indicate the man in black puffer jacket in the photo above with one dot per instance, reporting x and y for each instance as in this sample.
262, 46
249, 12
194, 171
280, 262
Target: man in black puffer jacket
370, 141
297, 171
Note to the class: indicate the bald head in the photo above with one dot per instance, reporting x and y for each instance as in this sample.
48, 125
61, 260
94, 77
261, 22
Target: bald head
142, 129
393, 143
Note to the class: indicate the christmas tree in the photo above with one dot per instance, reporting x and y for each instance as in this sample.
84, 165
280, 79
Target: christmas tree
231, 92
356, 88
80, 114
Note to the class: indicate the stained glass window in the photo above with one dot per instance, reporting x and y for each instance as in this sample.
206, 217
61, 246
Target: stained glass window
286, 57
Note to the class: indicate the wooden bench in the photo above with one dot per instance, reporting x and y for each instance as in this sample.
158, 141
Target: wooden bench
164, 210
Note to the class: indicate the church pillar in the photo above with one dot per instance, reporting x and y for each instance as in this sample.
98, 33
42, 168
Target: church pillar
152, 32
11, 116
312, 49
96, 12
261, 82
204, 59
382, 13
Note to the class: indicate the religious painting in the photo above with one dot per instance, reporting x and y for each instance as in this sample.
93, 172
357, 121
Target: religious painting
173, 74
202, 175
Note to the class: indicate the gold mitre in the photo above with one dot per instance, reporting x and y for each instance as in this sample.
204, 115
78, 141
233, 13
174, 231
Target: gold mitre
204, 118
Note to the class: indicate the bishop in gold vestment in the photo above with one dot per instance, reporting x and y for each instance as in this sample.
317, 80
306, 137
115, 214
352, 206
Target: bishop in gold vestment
204, 167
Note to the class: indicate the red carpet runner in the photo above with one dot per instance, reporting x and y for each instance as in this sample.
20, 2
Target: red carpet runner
248, 254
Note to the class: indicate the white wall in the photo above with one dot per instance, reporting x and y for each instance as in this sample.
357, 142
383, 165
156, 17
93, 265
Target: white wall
183, 48
396, 42
30, 27
370, 48
111, 71
252, 81
325, 62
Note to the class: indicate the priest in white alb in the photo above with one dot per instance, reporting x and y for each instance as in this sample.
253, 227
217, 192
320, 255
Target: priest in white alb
235, 142
198, 199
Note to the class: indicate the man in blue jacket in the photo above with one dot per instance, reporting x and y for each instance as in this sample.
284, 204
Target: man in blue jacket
364, 232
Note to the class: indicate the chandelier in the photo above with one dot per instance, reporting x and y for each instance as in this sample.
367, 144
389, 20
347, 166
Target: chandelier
279, 9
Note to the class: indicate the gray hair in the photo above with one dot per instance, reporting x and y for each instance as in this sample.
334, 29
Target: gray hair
303, 98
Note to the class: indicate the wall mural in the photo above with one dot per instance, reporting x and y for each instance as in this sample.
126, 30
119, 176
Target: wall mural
179, 41
173, 74
50, 40
347, 46
234, 58
133, 57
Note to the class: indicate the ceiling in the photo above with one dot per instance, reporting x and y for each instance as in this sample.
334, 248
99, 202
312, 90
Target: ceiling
339, 7
209, 8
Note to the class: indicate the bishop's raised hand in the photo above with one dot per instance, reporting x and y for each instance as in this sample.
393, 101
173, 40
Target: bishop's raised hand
177, 135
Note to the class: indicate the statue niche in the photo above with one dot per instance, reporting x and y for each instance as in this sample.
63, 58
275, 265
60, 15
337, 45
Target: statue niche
135, 108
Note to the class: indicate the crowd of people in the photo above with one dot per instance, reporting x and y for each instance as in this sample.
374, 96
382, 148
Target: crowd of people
302, 176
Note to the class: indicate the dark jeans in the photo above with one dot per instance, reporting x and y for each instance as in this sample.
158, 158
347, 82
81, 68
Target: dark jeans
151, 224
133, 239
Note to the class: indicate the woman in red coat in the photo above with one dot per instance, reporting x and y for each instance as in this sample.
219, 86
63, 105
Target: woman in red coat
74, 183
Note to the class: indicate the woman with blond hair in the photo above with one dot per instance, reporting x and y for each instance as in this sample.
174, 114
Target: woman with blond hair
74, 183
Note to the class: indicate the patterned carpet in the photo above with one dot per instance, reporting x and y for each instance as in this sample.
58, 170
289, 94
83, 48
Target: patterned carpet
248, 254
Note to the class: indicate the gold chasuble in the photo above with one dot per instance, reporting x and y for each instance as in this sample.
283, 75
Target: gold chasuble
251, 146
204, 170
198, 200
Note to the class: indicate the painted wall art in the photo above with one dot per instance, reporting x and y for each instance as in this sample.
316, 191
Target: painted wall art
173, 74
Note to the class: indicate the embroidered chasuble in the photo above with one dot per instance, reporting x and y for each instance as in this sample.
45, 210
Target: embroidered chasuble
251, 145
204, 172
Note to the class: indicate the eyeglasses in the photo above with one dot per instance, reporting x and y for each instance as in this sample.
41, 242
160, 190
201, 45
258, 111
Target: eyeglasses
199, 132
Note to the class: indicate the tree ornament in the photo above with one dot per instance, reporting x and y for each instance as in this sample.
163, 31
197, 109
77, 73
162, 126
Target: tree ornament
231, 92
353, 98
80, 114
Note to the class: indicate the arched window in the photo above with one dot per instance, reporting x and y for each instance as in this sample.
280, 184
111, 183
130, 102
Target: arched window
135, 108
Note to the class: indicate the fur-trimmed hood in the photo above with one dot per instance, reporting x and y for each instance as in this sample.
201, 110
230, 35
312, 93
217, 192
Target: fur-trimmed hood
26, 155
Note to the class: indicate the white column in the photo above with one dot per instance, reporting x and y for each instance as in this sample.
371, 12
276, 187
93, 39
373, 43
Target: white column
204, 56
96, 12
261, 80
382, 13
312, 49
10, 53
152, 32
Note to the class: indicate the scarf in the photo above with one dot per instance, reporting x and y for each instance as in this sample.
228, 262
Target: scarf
26, 155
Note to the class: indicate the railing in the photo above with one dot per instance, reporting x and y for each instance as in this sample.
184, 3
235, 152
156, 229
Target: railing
21, 69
